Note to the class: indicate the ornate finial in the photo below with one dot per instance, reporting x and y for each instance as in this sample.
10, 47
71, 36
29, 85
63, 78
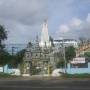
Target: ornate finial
45, 20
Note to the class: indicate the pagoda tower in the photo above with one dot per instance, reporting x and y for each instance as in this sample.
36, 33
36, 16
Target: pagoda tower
45, 42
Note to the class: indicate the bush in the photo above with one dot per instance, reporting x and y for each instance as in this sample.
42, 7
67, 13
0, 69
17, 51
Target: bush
86, 75
6, 75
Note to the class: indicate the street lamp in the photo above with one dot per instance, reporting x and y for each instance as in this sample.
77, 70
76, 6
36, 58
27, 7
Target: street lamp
64, 56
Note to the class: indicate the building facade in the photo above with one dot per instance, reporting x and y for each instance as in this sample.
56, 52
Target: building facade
66, 42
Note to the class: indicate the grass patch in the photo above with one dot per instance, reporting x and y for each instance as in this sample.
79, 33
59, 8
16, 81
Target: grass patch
76, 75
7, 75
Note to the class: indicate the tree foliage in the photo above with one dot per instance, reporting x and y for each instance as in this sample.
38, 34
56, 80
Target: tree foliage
16, 59
87, 54
4, 56
60, 63
59, 59
19, 56
70, 53
3, 36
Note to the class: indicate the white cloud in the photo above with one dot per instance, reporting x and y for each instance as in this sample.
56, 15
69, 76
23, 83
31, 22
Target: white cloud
21, 18
88, 18
76, 28
75, 22
64, 29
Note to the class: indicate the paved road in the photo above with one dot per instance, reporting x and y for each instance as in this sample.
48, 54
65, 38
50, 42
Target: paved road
51, 84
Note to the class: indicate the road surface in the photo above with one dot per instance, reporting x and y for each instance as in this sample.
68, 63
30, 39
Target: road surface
49, 84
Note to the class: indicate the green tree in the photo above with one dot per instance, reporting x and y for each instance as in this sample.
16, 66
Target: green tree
19, 56
3, 36
59, 59
70, 53
15, 60
60, 63
12, 61
4, 56
87, 54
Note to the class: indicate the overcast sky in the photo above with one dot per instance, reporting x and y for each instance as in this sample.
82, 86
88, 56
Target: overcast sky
66, 18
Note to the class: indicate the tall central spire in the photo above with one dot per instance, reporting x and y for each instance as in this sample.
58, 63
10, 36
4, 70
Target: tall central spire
45, 42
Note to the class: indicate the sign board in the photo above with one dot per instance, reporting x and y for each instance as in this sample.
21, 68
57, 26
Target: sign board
78, 60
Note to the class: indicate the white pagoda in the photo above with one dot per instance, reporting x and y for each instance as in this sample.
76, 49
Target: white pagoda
45, 41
